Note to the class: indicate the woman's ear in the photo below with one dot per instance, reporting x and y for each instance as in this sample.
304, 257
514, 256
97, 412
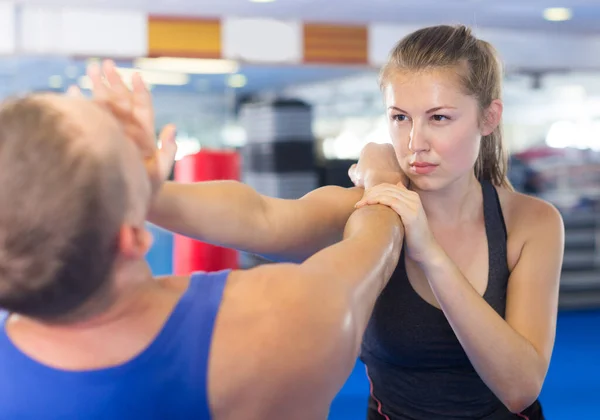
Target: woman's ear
492, 117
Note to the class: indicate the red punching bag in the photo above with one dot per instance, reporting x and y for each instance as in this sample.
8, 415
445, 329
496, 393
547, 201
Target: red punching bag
191, 255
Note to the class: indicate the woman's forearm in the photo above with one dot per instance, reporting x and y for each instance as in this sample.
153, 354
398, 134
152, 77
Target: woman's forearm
227, 213
234, 215
506, 361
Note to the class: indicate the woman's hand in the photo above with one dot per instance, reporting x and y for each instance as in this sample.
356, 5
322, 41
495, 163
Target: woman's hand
420, 242
377, 164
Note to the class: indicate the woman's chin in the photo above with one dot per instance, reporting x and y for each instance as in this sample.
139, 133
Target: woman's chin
437, 182
425, 183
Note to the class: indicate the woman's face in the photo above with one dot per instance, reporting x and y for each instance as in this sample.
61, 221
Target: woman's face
434, 126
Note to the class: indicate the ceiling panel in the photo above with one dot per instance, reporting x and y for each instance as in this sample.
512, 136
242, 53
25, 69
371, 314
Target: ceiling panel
525, 14
19, 74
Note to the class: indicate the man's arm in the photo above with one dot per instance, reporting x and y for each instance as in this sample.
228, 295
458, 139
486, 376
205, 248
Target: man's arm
300, 326
232, 214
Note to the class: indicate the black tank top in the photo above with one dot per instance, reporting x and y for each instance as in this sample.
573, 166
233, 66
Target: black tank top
416, 365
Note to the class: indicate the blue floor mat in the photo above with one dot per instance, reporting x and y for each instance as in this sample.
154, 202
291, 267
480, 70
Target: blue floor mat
571, 390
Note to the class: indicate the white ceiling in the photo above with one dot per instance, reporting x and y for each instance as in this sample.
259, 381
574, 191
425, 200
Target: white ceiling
18, 74
522, 14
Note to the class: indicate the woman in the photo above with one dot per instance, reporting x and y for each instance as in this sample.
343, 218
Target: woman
466, 326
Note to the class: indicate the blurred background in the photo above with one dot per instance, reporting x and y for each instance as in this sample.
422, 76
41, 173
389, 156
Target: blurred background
283, 94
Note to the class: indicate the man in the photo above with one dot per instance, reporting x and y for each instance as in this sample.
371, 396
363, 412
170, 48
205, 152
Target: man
90, 334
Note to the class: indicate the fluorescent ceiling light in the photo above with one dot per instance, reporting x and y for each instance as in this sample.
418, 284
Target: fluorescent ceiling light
72, 72
558, 14
262, 1
55, 82
188, 65
237, 81
149, 77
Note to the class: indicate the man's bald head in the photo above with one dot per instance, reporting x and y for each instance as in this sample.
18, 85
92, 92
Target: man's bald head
100, 133
68, 181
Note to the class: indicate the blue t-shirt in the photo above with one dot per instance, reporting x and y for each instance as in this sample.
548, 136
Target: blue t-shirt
168, 380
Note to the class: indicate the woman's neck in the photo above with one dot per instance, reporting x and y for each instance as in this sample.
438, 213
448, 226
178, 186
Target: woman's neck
459, 202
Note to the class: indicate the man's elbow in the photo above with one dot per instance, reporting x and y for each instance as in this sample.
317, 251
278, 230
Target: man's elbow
523, 397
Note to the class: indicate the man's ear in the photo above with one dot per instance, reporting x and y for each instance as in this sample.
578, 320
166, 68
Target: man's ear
134, 242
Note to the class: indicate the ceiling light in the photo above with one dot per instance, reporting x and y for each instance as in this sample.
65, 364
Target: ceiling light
55, 82
558, 14
188, 65
237, 81
72, 71
156, 77
149, 78
262, 1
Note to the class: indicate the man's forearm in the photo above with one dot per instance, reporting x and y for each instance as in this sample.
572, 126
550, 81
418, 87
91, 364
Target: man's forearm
362, 263
326, 302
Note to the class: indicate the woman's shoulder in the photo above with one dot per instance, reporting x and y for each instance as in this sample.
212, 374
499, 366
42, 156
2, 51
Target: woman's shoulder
525, 214
530, 220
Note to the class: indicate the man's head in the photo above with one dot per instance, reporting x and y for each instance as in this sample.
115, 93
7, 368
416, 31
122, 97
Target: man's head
74, 197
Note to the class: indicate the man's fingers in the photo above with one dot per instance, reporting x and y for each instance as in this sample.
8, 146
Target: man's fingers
99, 88
141, 93
74, 91
167, 138
168, 149
114, 78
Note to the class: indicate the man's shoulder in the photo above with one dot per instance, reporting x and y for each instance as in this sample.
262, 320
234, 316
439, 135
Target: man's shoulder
267, 328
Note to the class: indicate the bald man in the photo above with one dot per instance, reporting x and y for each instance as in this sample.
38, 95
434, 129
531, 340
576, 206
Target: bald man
90, 334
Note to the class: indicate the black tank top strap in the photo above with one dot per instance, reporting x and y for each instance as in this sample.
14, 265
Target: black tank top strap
496, 235
494, 219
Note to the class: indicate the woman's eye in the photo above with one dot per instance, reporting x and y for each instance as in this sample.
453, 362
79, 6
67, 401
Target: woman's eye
400, 117
440, 118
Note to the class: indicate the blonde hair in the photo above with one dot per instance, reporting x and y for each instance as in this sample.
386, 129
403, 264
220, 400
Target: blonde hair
456, 47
